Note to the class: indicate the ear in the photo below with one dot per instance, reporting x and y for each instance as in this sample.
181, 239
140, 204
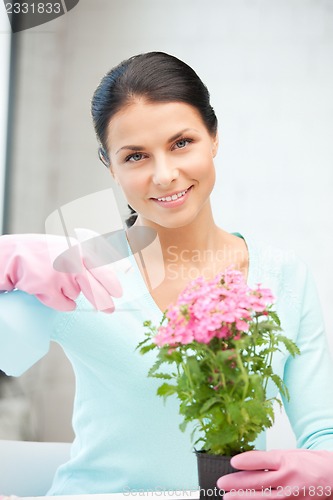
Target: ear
215, 144
102, 155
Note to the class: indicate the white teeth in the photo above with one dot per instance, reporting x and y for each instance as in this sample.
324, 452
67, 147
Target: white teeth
173, 197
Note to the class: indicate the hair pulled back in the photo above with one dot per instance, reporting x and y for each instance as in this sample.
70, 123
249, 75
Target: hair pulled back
156, 77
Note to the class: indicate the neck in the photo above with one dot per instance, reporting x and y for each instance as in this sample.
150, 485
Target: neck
183, 253
200, 235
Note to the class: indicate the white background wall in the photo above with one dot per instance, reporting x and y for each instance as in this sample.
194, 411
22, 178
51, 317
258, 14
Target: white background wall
268, 65
4, 88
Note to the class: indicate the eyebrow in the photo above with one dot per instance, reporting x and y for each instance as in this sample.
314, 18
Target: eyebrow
142, 148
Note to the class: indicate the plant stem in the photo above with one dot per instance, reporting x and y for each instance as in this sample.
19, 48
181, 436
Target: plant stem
269, 359
244, 373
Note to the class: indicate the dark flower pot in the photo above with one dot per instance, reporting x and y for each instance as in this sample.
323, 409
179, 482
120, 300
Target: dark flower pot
210, 468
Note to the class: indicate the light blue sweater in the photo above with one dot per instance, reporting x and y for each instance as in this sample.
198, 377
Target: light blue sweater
126, 438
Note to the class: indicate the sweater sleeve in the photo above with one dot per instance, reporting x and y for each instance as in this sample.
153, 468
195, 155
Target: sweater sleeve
26, 329
309, 377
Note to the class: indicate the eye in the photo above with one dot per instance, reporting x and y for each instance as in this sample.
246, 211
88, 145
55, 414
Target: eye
182, 143
134, 157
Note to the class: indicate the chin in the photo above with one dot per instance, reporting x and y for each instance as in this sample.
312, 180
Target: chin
175, 222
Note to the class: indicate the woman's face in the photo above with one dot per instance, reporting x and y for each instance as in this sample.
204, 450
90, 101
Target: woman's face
161, 154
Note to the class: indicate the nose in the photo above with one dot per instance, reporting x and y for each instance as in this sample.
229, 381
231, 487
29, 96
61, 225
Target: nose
164, 172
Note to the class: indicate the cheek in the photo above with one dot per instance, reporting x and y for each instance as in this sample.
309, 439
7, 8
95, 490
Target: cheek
202, 166
131, 184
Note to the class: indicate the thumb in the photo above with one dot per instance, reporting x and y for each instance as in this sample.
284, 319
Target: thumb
99, 255
257, 460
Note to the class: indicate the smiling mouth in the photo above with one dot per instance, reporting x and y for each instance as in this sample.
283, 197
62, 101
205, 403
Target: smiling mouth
173, 196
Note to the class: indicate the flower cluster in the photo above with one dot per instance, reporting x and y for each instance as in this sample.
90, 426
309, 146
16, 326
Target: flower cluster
216, 347
215, 308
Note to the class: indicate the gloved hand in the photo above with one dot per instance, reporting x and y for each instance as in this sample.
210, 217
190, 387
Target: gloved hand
27, 263
278, 474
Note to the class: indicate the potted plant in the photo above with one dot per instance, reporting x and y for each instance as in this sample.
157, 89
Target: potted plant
217, 342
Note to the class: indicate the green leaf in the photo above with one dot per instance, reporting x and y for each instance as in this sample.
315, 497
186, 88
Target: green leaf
256, 410
275, 317
161, 375
155, 367
223, 356
166, 390
290, 345
193, 367
280, 385
209, 404
237, 413
218, 439
170, 357
183, 426
147, 348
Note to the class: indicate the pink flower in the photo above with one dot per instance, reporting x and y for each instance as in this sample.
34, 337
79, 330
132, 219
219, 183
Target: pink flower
222, 307
242, 325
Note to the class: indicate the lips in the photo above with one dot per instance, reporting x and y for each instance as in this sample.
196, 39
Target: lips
173, 196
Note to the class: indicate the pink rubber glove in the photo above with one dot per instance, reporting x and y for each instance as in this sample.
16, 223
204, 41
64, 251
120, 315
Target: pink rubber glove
27, 263
277, 474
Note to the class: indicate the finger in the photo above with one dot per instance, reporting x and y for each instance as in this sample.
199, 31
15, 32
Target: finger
252, 494
101, 249
250, 479
59, 303
107, 279
257, 460
100, 257
95, 292
64, 254
256, 495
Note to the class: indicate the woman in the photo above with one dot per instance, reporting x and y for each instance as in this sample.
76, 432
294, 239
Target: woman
158, 136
